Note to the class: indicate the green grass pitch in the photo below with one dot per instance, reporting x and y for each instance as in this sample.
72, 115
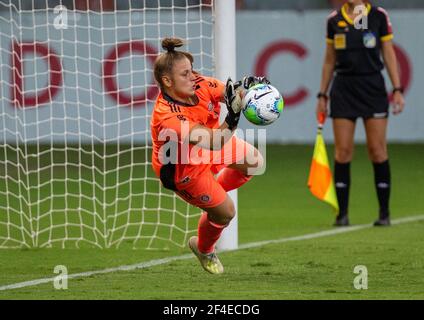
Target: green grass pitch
272, 206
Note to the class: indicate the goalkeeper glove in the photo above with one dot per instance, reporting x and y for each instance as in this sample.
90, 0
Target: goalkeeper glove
250, 81
233, 102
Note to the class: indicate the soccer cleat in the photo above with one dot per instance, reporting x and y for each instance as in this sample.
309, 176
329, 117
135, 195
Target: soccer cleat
341, 221
209, 261
382, 222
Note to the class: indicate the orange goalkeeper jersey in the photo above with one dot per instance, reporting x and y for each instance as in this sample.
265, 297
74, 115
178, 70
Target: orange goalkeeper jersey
173, 120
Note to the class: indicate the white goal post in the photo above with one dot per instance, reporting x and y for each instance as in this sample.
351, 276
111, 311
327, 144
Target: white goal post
77, 93
225, 66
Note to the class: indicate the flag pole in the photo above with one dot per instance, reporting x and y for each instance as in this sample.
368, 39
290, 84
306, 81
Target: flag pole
320, 181
321, 120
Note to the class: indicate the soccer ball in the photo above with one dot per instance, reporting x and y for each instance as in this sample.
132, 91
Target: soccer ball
262, 104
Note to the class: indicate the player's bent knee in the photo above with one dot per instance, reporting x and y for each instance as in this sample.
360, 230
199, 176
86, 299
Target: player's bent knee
222, 219
228, 213
223, 213
261, 161
231, 211
257, 164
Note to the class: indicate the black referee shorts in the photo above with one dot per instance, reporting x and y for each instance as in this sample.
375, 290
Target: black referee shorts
359, 96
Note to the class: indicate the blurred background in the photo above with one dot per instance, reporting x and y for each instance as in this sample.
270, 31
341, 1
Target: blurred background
77, 94
299, 5
286, 44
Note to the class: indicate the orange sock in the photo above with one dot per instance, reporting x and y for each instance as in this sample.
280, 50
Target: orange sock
231, 179
209, 233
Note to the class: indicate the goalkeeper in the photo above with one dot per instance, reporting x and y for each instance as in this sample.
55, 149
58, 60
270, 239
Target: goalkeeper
185, 121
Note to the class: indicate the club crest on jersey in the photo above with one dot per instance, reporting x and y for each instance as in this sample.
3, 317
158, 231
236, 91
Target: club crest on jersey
210, 106
370, 41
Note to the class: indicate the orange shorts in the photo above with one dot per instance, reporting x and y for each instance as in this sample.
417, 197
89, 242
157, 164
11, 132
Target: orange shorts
203, 190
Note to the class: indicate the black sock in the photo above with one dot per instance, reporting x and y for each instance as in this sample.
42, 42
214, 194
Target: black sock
342, 183
382, 185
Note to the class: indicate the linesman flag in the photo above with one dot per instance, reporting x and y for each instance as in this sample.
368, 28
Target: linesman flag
320, 180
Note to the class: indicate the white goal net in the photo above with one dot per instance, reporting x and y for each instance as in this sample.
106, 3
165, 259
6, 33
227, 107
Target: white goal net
77, 92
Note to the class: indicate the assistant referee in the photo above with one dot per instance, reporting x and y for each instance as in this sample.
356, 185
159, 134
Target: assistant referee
356, 41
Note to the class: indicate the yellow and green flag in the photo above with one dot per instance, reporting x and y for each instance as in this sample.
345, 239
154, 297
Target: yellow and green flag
320, 180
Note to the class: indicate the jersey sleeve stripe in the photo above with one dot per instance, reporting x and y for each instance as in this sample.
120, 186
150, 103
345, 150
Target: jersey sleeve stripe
387, 38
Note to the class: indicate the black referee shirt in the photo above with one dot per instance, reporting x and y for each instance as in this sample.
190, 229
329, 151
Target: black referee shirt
358, 50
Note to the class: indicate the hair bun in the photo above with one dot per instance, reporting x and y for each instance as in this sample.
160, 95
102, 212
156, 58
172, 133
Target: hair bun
169, 44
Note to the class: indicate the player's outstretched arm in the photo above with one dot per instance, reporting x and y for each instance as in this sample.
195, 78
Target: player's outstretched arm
211, 139
214, 139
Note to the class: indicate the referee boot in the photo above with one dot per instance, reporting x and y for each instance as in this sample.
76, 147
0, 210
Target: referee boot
341, 221
382, 222
383, 218
209, 261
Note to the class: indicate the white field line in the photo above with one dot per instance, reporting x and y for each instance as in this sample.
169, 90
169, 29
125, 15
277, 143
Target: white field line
152, 263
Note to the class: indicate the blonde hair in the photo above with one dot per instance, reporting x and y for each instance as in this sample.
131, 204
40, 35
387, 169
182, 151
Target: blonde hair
165, 61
